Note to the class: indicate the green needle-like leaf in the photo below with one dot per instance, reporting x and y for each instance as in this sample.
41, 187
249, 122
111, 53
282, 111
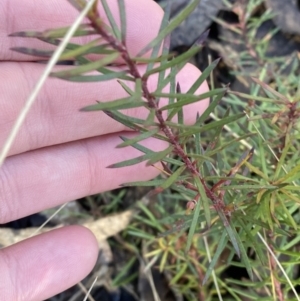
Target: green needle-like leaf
87, 67
188, 99
153, 183
111, 20
120, 104
233, 236
291, 175
172, 178
130, 162
95, 78
203, 200
182, 58
210, 108
222, 242
33, 51
157, 48
83, 30
171, 26
130, 122
138, 138
147, 151
193, 226
159, 156
190, 130
204, 75
122, 12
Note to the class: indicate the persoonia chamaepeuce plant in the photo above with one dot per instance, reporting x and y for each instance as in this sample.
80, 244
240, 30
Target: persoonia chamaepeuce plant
233, 189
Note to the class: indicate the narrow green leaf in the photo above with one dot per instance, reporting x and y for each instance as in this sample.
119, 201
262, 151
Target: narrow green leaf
271, 90
203, 200
291, 175
253, 242
180, 116
172, 112
158, 59
83, 30
259, 223
159, 156
93, 78
179, 59
138, 138
175, 95
119, 104
149, 151
150, 118
244, 256
138, 88
111, 20
265, 211
151, 156
200, 129
122, 12
130, 162
193, 226
124, 272
126, 88
255, 97
154, 183
130, 122
179, 275
87, 67
151, 216
222, 242
201, 157
247, 187
171, 26
229, 143
173, 178
257, 171
286, 211
33, 51
188, 99
156, 49
215, 136
233, 236
211, 107
204, 75
197, 140
170, 77
175, 229
281, 160
70, 54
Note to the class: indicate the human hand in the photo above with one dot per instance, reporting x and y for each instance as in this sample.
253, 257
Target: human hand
61, 154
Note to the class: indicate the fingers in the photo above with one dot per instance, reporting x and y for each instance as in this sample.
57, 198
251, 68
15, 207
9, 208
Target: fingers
55, 117
44, 178
143, 22
42, 266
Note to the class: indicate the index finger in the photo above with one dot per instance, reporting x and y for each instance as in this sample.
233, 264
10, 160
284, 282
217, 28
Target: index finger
143, 22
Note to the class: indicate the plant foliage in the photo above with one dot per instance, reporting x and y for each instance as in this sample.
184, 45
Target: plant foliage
237, 175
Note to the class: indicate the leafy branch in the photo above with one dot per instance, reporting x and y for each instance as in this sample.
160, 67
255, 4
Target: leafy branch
233, 193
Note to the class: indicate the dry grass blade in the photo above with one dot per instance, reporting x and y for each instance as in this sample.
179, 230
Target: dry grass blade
88, 296
31, 99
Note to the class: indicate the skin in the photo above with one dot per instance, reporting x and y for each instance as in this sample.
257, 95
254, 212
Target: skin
61, 154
